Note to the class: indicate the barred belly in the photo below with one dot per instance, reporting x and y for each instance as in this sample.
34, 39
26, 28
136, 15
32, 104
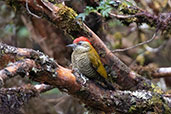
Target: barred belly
83, 64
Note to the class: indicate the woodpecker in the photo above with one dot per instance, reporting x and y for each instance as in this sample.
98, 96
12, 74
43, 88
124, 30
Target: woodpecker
85, 58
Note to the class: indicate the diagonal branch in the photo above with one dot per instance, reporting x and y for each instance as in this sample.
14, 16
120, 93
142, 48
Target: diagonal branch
46, 70
20, 67
140, 44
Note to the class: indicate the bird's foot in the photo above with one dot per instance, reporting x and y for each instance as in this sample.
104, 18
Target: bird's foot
84, 79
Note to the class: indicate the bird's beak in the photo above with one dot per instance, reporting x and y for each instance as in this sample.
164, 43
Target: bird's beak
72, 45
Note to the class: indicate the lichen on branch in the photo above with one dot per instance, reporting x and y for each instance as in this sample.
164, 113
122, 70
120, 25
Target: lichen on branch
41, 68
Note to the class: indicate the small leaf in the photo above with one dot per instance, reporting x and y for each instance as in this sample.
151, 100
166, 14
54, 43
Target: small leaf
105, 13
82, 16
112, 2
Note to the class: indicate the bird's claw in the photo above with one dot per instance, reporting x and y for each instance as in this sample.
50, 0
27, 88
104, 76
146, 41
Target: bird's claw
75, 70
84, 79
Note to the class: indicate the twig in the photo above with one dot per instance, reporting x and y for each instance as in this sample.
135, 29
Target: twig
152, 71
167, 95
27, 7
121, 16
140, 44
162, 72
43, 87
155, 50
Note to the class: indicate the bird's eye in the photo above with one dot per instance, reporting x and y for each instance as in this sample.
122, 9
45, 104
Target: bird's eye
79, 43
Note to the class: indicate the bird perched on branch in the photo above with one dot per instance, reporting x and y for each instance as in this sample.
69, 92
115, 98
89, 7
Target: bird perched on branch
87, 61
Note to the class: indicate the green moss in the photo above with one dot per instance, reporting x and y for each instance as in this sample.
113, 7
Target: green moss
167, 109
157, 104
153, 88
19, 58
125, 9
66, 18
132, 109
154, 100
156, 89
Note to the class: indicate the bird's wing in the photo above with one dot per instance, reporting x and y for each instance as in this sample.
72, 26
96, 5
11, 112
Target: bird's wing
97, 64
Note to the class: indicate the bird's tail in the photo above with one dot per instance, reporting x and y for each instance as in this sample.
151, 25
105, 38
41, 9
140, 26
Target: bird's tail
109, 85
106, 84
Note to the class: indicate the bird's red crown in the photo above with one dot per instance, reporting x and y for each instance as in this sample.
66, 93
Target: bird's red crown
81, 38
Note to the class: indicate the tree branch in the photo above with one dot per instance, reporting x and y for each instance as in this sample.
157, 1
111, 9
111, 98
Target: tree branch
131, 13
11, 99
153, 72
46, 70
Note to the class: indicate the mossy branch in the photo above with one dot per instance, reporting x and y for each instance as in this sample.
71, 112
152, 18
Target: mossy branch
39, 67
12, 99
128, 13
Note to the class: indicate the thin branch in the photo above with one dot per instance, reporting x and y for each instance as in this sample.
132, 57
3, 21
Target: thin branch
27, 7
43, 87
155, 50
162, 72
167, 95
152, 71
121, 16
140, 44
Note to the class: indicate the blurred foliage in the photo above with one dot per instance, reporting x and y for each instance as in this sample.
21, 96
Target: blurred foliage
12, 29
104, 8
52, 91
23, 32
114, 23
118, 40
7, 27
